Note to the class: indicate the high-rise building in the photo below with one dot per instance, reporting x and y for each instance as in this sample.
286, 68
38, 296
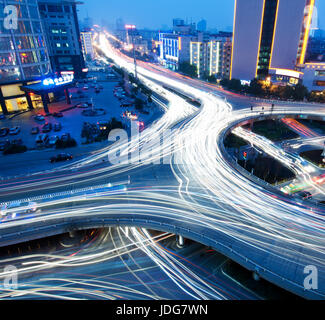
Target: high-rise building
24, 56
87, 45
269, 34
316, 49
211, 56
61, 25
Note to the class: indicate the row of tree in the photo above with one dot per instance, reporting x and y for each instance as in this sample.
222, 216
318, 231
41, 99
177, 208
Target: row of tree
259, 89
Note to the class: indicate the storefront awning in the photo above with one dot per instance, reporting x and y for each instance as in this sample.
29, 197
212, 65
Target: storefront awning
41, 89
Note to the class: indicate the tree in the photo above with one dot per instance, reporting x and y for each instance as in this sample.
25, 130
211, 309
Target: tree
138, 104
256, 88
224, 82
212, 78
300, 92
188, 69
235, 85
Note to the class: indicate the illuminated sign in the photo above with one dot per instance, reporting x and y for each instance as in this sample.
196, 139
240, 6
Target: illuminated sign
66, 72
320, 83
287, 73
245, 82
129, 26
68, 78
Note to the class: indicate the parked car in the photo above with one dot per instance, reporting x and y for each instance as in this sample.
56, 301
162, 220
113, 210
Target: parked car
58, 114
82, 105
17, 142
13, 210
2, 117
35, 130
57, 127
47, 127
65, 137
61, 157
4, 144
42, 139
97, 91
39, 117
86, 87
4, 132
53, 140
14, 131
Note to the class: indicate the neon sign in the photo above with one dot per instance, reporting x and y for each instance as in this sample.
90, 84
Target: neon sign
64, 79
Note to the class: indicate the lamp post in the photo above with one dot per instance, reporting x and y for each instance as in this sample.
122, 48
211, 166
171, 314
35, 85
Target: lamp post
132, 27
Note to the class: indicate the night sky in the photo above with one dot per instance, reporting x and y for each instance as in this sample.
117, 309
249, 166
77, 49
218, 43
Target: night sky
153, 14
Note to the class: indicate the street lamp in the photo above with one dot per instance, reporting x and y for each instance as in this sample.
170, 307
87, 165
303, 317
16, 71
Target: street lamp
132, 27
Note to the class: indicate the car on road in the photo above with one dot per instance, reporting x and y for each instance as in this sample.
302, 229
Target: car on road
58, 114
15, 209
4, 132
47, 127
57, 127
61, 157
35, 130
305, 195
53, 140
14, 131
86, 87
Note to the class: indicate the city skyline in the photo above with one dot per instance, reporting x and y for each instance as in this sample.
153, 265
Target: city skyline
219, 15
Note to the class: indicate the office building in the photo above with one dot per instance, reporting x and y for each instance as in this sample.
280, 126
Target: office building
269, 34
60, 23
24, 58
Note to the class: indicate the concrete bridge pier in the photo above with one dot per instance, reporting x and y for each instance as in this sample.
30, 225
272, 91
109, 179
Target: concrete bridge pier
180, 241
256, 275
72, 234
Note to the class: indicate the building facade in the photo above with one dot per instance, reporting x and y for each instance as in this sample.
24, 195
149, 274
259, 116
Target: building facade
314, 76
211, 57
87, 45
174, 49
24, 58
269, 34
61, 25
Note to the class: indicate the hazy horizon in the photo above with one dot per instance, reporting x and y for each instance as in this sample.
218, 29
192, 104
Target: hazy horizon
153, 15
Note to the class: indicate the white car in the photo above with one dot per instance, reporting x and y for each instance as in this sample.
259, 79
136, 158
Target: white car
12, 210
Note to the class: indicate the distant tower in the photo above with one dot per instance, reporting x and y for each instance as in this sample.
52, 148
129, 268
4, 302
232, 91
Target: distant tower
202, 25
120, 24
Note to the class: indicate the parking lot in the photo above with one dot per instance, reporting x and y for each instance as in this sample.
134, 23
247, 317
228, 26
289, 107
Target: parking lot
71, 119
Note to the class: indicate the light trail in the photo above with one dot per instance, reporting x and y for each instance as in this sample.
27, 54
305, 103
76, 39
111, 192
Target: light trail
210, 194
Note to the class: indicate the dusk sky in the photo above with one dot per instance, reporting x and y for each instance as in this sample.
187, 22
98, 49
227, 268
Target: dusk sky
155, 13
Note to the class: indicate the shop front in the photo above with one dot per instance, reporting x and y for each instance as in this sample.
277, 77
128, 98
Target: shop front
24, 96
